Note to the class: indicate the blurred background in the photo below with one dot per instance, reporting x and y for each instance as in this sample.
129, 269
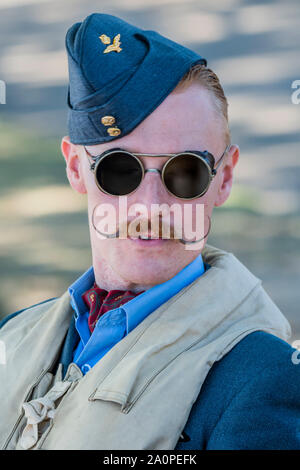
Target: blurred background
253, 46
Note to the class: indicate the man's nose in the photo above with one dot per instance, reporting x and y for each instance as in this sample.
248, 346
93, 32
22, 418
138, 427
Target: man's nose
151, 189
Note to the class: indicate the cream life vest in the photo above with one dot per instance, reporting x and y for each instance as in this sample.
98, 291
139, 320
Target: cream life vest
140, 394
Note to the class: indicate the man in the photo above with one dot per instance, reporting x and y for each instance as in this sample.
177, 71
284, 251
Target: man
165, 342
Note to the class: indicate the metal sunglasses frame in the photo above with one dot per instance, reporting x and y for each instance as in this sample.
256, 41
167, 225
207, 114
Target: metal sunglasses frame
206, 157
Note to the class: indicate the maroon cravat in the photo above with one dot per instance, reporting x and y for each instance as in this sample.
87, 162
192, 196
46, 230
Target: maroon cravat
99, 301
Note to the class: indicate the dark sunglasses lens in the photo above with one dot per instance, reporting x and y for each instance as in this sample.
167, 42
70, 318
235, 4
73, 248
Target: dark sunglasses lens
119, 173
186, 176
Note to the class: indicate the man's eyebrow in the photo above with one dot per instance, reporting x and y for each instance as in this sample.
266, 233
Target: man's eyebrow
106, 150
156, 154
133, 152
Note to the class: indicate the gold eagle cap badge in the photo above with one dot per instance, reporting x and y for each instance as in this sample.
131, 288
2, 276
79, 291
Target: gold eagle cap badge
114, 47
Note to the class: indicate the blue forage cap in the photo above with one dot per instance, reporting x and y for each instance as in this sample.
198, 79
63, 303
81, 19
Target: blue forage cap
118, 75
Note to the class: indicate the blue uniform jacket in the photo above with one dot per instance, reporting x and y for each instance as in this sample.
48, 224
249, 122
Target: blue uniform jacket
249, 400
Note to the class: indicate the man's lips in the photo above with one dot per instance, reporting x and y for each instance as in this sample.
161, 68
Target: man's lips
149, 239
149, 243
148, 236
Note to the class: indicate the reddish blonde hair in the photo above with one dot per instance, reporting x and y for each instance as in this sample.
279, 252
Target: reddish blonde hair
209, 80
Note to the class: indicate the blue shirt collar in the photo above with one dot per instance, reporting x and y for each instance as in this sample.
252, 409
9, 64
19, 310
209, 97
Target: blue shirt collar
82, 284
154, 296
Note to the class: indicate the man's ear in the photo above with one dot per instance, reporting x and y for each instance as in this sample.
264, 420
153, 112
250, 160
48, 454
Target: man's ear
227, 175
73, 165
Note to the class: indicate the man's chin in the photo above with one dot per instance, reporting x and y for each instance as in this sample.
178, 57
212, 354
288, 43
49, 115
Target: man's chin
148, 272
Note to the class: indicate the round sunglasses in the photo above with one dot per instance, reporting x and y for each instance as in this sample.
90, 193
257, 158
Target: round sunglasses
185, 175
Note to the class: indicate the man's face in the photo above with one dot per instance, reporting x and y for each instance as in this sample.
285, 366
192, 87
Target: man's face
184, 121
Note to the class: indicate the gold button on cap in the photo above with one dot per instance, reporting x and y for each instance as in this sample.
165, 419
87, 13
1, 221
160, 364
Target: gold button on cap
108, 120
114, 131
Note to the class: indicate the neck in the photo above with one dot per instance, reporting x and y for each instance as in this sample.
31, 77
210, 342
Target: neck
106, 278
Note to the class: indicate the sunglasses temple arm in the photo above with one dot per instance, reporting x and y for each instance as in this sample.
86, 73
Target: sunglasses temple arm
220, 161
93, 157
